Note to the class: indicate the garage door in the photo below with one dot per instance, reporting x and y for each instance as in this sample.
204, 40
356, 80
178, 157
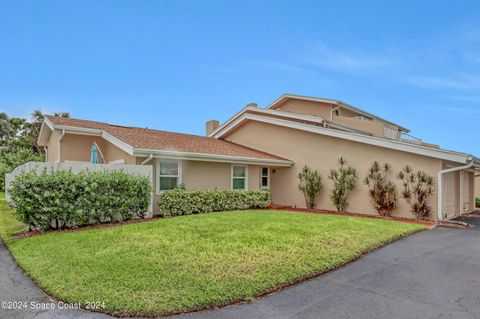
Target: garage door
467, 177
450, 194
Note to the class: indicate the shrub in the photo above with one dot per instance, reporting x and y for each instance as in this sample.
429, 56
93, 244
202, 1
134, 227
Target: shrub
310, 184
477, 202
417, 188
381, 189
62, 199
344, 181
179, 201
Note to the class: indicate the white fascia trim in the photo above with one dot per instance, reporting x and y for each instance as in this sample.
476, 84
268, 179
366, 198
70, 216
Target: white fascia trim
211, 157
310, 118
76, 129
97, 132
49, 123
118, 143
334, 102
302, 97
371, 140
229, 121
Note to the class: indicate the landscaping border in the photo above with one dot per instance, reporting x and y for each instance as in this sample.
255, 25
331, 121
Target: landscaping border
427, 223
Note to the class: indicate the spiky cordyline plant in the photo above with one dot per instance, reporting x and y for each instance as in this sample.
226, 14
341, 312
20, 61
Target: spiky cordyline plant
344, 180
381, 189
310, 184
417, 188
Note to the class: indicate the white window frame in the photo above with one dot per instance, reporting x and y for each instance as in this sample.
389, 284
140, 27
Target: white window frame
262, 176
179, 176
246, 175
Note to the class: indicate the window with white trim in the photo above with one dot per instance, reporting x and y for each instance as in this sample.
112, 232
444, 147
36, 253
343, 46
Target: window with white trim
169, 175
239, 177
264, 177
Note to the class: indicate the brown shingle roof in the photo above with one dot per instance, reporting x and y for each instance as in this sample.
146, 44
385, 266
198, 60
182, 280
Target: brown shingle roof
144, 138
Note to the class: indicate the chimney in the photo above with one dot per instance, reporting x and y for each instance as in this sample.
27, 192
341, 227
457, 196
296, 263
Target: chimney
252, 105
211, 126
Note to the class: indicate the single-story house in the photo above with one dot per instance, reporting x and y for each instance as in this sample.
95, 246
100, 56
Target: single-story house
265, 148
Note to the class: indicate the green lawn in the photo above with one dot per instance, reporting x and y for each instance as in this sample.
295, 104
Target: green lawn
192, 262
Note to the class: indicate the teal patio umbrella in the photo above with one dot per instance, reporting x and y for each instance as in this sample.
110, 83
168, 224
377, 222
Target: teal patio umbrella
94, 155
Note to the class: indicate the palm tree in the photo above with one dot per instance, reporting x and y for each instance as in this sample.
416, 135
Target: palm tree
5, 127
32, 129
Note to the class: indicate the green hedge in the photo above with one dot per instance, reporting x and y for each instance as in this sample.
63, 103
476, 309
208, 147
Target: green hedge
63, 199
477, 202
185, 202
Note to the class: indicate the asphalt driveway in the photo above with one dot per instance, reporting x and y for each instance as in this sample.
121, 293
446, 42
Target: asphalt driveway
432, 274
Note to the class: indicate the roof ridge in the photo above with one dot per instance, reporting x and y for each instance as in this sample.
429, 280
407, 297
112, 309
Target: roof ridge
126, 126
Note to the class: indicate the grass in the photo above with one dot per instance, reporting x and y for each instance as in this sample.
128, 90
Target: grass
193, 262
9, 226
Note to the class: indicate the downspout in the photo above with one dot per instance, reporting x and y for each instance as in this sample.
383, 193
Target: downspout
45, 149
148, 159
59, 146
440, 186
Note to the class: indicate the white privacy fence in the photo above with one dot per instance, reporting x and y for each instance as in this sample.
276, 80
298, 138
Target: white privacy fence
76, 167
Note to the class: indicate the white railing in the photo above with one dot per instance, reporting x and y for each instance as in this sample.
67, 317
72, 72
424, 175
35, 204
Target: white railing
407, 138
76, 167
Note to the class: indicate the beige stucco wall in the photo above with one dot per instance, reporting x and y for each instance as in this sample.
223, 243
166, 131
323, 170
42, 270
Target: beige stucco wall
321, 153
52, 146
306, 108
74, 147
373, 127
113, 153
204, 175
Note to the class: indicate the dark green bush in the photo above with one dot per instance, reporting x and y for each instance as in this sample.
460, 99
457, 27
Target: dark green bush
185, 202
63, 199
477, 202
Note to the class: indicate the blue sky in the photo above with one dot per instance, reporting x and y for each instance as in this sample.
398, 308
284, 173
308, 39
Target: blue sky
172, 65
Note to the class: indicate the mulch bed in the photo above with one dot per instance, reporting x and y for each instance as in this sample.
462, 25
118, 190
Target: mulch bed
475, 214
427, 223
96, 226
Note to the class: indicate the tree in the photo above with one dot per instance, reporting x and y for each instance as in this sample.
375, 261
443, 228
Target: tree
417, 188
344, 180
381, 189
18, 141
310, 184
32, 128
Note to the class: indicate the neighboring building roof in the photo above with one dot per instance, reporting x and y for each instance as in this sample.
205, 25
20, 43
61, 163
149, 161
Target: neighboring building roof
144, 140
335, 102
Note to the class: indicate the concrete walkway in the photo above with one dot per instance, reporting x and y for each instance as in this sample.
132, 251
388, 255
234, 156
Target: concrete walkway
432, 274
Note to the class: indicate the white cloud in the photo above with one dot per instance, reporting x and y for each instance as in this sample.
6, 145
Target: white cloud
456, 82
462, 110
345, 60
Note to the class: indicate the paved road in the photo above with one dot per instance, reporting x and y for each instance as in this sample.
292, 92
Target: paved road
16, 286
432, 274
